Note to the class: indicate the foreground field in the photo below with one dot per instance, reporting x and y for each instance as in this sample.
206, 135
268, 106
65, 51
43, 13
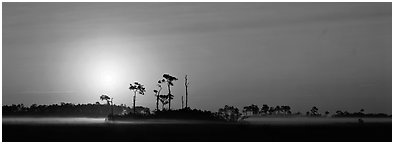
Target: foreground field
195, 131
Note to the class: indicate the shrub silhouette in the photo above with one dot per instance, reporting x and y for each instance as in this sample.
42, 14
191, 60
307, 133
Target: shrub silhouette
229, 113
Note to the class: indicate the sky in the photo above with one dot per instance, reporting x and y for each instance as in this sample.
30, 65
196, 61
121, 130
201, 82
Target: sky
336, 56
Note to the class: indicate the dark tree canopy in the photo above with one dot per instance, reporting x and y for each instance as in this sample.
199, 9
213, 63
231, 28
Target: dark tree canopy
169, 79
106, 98
137, 87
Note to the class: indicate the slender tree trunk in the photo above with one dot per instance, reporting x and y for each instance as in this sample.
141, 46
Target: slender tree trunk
157, 102
186, 97
157, 99
109, 104
112, 106
186, 85
134, 102
169, 97
182, 102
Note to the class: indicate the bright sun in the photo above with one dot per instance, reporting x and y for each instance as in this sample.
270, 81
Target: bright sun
106, 75
107, 79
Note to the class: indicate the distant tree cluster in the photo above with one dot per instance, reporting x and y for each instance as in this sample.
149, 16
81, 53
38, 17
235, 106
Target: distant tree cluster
68, 110
229, 113
313, 112
266, 110
361, 113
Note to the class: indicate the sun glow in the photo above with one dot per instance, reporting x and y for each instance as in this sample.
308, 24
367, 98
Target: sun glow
109, 67
106, 79
106, 75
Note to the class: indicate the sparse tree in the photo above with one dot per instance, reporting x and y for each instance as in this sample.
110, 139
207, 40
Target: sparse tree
109, 102
157, 93
103, 97
169, 80
137, 87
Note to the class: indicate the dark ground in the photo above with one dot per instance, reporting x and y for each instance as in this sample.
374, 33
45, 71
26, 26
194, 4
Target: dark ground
196, 132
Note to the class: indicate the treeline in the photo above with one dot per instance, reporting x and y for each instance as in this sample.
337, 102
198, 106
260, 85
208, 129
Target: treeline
178, 114
359, 114
265, 110
68, 110
228, 113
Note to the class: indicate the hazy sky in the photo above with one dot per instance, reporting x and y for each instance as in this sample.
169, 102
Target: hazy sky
330, 55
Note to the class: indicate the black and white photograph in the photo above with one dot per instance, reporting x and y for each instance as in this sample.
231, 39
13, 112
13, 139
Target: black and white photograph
196, 71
